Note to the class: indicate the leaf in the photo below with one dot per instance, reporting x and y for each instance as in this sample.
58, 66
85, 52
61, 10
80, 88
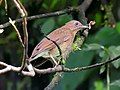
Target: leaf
77, 44
104, 57
102, 69
99, 85
74, 2
63, 61
12, 35
116, 83
44, 5
54, 2
118, 27
114, 52
3, 41
93, 46
48, 26
107, 36
63, 19
98, 18
37, 23
76, 59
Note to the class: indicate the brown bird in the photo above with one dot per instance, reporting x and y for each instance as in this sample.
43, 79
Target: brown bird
63, 37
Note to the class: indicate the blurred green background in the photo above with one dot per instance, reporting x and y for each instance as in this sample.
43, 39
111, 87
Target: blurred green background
102, 43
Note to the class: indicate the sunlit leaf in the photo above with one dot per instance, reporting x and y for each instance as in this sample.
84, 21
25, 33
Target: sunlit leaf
102, 69
54, 2
118, 27
99, 85
98, 18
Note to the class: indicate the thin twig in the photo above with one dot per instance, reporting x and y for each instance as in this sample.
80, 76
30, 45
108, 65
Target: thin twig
17, 31
23, 13
85, 4
52, 14
91, 66
14, 69
60, 68
108, 76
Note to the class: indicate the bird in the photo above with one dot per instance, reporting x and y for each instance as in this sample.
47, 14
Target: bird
59, 40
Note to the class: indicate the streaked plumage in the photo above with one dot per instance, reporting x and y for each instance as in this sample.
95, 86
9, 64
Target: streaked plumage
63, 37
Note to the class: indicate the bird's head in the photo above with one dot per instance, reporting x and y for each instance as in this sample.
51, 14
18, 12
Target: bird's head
75, 25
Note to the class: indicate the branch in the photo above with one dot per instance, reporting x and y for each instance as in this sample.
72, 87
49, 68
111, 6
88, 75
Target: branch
61, 68
14, 69
58, 68
1, 1
54, 81
57, 13
85, 4
23, 13
17, 31
52, 14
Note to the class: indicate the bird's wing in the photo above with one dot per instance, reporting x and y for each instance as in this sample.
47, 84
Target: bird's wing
59, 36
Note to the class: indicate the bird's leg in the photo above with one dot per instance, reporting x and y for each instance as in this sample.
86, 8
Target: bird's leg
30, 68
60, 59
54, 61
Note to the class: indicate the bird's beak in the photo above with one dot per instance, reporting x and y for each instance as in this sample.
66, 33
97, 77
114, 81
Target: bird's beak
84, 27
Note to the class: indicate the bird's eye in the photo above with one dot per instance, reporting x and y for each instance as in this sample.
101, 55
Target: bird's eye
76, 24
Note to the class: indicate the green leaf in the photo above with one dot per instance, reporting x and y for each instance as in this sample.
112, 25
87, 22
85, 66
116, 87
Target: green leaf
98, 18
102, 69
63, 61
74, 2
37, 23
48, 26
77, 59
63, 19
3, 41
107, 37
114, 52
77, 44
93, 46
116, 83
118, 27
12, 35
99, 85
54, 2
104, 57
44, 5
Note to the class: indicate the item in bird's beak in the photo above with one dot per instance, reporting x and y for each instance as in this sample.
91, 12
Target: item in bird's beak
91, 23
